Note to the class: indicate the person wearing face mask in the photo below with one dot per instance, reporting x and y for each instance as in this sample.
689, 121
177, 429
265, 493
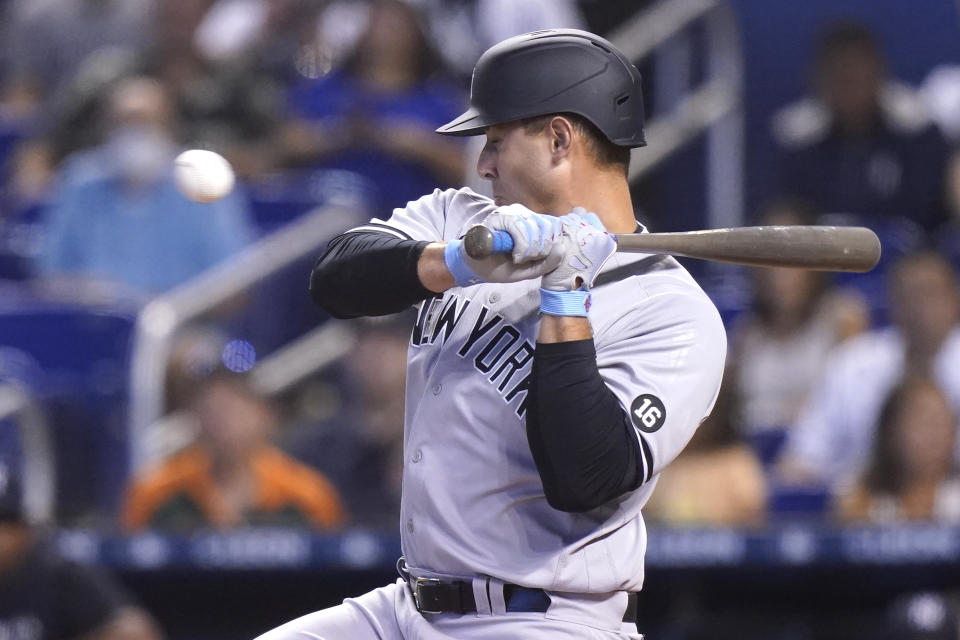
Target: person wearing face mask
116, 214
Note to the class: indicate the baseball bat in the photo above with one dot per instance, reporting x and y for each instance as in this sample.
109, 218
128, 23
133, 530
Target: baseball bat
818, 247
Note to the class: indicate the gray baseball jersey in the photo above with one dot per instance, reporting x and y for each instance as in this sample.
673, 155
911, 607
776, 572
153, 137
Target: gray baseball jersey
473, 502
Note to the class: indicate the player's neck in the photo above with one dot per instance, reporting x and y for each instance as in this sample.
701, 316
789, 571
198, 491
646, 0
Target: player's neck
606, 193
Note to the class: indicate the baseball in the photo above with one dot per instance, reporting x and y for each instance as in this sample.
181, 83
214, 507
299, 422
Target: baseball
203, 176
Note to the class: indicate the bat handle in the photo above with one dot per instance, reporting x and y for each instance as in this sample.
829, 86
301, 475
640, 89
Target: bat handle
481, 242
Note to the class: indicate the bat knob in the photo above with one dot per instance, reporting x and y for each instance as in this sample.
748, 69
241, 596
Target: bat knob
481, 242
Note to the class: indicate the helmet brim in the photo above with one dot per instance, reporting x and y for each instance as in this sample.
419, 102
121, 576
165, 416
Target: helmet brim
468, 123
473, 123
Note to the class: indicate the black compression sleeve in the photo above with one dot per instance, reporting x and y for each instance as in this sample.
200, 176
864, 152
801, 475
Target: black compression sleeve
583, 442
366, 273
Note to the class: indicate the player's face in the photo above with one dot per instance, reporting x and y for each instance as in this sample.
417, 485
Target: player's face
518, 165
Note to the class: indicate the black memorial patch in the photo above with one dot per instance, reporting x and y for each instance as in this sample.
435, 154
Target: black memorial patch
647, 412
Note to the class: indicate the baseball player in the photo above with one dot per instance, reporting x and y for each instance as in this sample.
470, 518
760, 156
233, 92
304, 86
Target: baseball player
547, 387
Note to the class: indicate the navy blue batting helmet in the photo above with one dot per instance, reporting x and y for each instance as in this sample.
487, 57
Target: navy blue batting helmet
555, 71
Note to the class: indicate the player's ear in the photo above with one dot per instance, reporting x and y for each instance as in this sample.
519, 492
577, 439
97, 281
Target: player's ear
560, 132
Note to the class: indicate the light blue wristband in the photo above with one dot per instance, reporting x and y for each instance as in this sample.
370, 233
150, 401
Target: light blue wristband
565, 303
463, 275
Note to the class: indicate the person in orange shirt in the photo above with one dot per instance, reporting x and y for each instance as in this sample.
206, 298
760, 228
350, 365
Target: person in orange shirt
232, 476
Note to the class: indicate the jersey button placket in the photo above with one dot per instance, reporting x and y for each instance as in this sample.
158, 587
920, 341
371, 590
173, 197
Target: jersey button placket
437, 388
417, 456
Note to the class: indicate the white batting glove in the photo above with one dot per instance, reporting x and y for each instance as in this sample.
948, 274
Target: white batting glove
565, 291
534, 234
537, 249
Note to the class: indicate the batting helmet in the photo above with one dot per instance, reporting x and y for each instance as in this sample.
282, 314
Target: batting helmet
555, 71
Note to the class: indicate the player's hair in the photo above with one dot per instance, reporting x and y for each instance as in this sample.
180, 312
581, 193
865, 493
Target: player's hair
605, 152
922, 258
428, 63
885, 472
241, 383
845, 35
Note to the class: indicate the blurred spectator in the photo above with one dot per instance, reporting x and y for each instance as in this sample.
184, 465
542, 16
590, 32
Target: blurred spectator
232, 476
921, 616
779, 347
832, 439
48, 41
949, 238
464, 29
717, 480
864, 144
44, 596
228, 67
953, 187
360, 446
941, 93
117, 214
237, 28
910, 474
369, 124
59, 56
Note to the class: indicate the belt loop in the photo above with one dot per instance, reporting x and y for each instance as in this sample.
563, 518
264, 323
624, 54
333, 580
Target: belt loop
402, 568
481, 597
498, 603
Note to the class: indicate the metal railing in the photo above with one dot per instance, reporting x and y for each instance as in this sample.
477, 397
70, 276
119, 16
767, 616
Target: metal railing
685, 112
38, 466
159, 320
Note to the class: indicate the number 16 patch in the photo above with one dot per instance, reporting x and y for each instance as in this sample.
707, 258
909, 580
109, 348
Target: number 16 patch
648, 413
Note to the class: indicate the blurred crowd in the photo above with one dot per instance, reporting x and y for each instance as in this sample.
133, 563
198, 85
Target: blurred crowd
316, 104
841, 399
842, 392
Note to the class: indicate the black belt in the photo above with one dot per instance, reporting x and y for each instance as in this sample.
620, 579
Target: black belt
433, 595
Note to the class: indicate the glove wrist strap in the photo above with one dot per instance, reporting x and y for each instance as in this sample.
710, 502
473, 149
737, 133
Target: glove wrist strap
453, 256
565, 303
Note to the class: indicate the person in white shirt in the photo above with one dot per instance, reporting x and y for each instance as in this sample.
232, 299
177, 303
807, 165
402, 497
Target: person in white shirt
831, 441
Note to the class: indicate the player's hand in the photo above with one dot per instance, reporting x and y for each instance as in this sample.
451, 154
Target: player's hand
587, 247
537, 249
535, 235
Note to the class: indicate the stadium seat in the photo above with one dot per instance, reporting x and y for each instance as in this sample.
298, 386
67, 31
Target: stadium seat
73, 357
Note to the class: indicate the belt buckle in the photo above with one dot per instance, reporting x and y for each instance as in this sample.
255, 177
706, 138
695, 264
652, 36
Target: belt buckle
417, 583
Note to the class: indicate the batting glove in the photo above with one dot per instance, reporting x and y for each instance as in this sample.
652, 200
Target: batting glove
537, 249
565, 291
534, 234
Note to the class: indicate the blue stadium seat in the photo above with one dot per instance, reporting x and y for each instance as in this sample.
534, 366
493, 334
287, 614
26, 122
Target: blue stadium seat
791, 503
73, 356
767, 444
